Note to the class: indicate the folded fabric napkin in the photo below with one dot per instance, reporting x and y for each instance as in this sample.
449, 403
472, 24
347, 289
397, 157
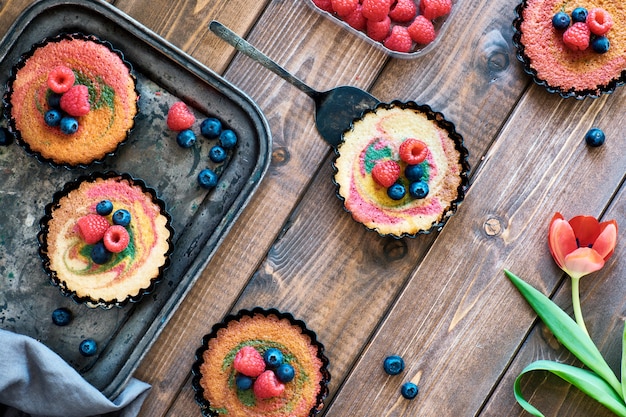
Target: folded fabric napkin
36, 382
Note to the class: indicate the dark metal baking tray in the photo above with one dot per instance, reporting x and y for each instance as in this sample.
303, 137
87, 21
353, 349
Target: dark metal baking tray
201, 218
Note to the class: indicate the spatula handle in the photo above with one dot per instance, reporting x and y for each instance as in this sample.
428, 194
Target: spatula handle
246, 48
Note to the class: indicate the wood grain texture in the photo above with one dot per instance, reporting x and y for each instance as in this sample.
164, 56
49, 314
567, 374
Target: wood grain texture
466, 324
603, 303
298, 153
441, 301
185, 24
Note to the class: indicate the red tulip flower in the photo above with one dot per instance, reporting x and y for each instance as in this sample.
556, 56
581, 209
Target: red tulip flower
581, 246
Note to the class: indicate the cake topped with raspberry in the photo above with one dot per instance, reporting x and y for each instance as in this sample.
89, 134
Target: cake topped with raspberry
401, 170
105, 239
576, 49
260, 363
71, 100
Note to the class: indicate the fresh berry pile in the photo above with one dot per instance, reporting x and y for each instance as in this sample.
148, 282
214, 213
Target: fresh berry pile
387, 172
584, 28
67, 101
400, 25
263, 372
106, 237
181, 119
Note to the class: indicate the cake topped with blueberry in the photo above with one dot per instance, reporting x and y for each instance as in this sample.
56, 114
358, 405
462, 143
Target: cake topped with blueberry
260, 363
71, 100
401, 169
105, 239
573, 48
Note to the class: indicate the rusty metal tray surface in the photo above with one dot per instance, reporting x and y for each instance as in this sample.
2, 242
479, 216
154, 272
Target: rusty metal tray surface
201, 218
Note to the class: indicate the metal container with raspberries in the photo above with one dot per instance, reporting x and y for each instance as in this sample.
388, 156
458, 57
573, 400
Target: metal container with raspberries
401, 28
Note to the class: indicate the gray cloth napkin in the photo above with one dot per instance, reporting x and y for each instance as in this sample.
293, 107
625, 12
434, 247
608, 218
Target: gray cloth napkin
36, 381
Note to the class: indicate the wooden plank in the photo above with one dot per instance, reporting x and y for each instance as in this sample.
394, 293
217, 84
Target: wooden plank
602, 305
458, 322
290, 33
327, 269
185, 24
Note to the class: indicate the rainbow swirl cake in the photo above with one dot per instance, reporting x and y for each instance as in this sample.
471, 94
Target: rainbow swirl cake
107, 89
75, 234
582, 53
423, 164
260, 363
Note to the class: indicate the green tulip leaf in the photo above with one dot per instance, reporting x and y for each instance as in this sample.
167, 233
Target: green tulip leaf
567, 331
583, 379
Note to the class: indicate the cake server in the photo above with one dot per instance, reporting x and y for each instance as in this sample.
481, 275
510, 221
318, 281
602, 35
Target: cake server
335, 109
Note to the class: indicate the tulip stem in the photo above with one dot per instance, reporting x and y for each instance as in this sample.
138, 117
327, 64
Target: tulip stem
578, 314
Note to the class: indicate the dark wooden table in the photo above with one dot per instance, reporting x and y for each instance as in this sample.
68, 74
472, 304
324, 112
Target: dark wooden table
441, 300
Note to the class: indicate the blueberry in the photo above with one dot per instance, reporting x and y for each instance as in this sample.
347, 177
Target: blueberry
207, 178
211, 128
418, 189
54, 100
396, 191
88, 347
62, 316
243, 382
68, 125
104, 208
409, 390
285, 373
414, 172
273, 358
52, 117
600, 44
228, 139
579, 14
217, 154
393, 365
186, 138
560, 21
5, 137
99, 254
595, 137
121, 217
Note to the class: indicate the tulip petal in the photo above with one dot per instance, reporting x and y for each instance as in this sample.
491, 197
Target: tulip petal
605, 243
561, 239
586, 229
583, 261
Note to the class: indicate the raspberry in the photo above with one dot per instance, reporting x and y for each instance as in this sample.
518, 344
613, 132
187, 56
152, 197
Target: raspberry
378, 31
249, 362
413, 151
599, 21
116, 238
399, 40
92, 228
432, 9
325, 5
356, 19
422, 30
376, 10
267, 386
61, 79
179, 117
403, 11
344, 7
386, 173
576, 37
75, 101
